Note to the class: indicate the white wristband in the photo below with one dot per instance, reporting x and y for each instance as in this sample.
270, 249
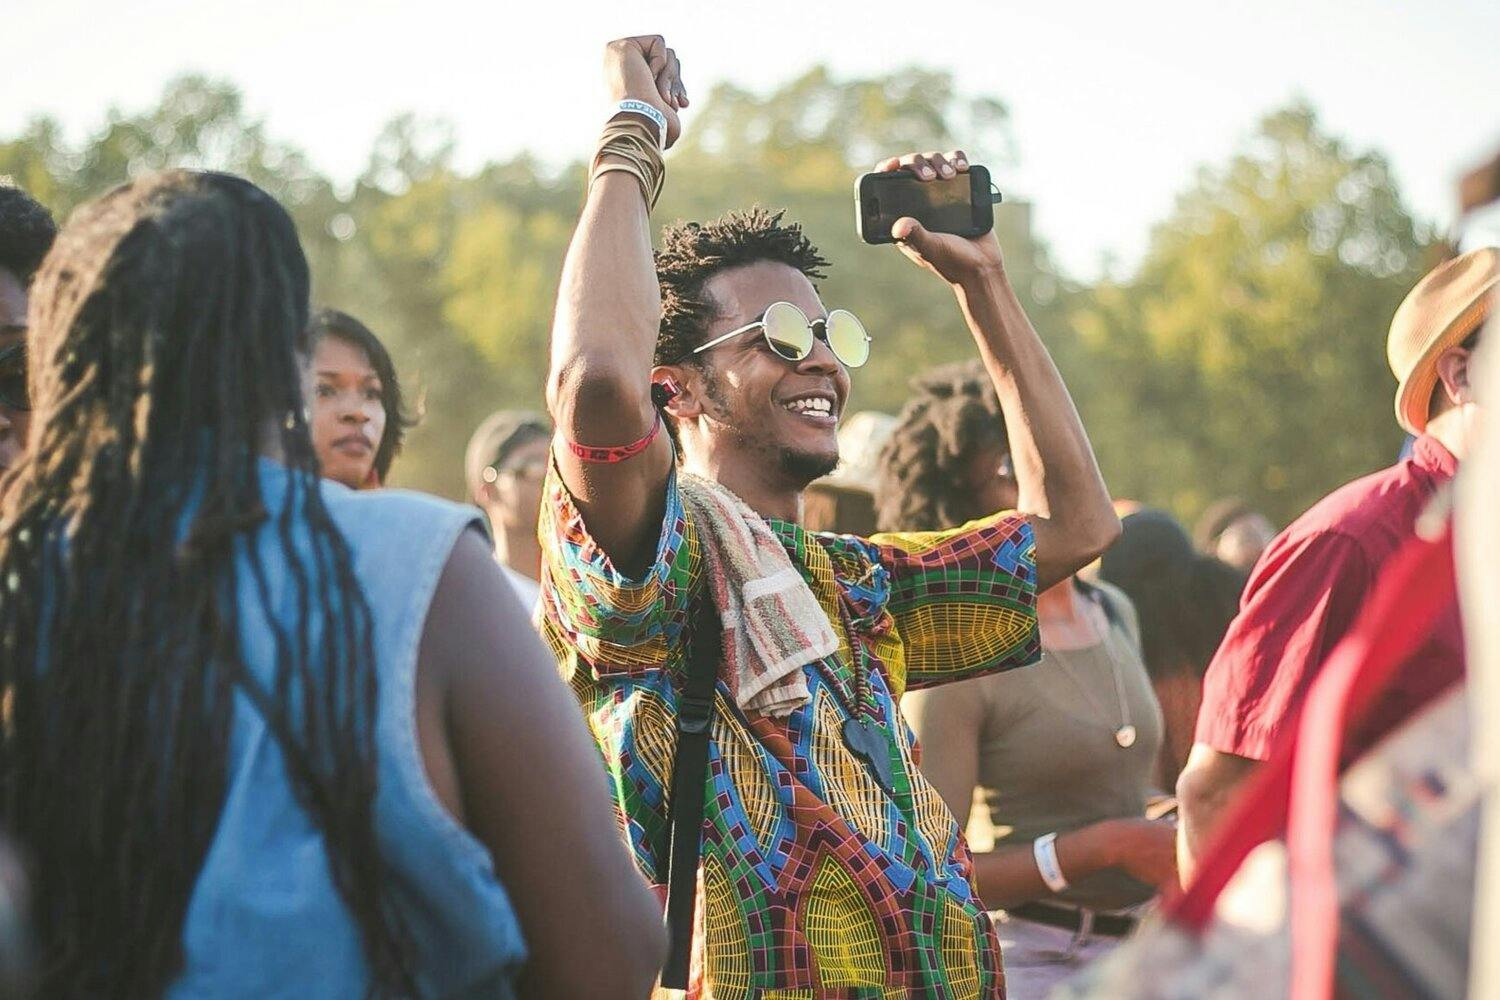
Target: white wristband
1044, 849
642, 108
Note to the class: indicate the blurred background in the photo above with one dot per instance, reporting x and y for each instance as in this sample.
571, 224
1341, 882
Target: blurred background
1211, 216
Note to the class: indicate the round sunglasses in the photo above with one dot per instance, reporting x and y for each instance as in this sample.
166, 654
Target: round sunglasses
13, 391
791, 334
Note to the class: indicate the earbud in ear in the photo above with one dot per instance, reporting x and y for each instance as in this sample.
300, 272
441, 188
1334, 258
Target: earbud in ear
663, 390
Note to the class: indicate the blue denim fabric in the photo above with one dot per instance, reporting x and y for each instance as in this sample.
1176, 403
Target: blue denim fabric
265, 919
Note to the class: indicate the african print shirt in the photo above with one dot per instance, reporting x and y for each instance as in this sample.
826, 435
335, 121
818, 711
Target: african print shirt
816, 882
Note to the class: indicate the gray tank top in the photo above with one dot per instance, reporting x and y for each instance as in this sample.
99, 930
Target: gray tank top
1048, 757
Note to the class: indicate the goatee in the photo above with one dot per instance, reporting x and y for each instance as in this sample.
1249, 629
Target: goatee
804, 466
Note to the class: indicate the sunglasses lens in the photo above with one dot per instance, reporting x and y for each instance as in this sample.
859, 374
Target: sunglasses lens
847, 338
787, 331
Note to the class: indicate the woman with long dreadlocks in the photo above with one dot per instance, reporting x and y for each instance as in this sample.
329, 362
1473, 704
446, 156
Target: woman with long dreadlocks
266, 735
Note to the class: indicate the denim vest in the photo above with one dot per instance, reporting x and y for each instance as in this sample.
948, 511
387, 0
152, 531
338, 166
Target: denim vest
265, 919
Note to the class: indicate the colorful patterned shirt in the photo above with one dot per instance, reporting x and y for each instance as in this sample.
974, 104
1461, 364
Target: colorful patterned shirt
816, 882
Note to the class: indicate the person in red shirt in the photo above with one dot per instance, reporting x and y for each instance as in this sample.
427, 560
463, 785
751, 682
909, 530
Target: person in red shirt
1310, 583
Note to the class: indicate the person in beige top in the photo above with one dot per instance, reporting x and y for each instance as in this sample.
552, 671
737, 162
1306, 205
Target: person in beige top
1065, 751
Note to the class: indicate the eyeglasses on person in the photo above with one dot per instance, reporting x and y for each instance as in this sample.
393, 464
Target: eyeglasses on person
791, 334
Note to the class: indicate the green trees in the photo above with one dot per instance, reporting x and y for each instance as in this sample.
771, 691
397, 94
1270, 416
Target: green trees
1246, 355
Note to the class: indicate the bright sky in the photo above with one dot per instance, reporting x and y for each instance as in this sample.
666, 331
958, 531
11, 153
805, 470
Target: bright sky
1114, 104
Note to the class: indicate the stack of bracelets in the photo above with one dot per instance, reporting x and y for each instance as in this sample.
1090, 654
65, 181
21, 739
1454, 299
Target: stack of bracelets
634, 148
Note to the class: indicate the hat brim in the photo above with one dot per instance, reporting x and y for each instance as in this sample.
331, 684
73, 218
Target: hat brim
1414, 393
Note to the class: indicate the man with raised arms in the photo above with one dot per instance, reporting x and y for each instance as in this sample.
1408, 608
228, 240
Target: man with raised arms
695, 397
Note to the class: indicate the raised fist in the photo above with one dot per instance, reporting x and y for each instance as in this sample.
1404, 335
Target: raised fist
642, 68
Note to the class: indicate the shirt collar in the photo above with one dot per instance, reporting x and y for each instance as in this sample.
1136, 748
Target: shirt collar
1429, 454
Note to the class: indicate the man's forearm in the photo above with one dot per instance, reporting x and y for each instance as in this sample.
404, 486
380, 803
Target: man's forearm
1205, 789
608, 310
1058, 479
1008, 875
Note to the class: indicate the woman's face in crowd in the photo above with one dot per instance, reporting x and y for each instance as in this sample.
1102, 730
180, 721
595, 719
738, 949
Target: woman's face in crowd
348, 411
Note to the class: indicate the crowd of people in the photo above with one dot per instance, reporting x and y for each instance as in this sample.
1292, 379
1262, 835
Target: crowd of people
700, 690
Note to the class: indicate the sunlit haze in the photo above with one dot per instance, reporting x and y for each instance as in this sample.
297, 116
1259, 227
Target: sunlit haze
1114, 105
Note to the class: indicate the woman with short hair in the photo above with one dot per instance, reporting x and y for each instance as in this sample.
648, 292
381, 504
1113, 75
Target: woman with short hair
359, 417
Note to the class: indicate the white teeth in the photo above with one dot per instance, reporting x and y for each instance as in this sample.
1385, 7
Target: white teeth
812, 404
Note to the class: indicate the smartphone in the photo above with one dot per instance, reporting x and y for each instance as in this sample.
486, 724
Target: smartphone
962, 205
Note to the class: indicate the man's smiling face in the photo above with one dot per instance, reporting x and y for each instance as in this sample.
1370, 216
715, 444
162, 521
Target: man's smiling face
777, 415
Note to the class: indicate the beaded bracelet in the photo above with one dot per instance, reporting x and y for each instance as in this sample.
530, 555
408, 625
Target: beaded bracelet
612, 455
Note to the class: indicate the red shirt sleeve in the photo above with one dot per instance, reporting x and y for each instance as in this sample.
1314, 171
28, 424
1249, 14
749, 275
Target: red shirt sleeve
1301, 599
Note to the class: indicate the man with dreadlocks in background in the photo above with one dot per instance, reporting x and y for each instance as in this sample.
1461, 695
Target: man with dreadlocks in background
267, 736
829, 867
26, 234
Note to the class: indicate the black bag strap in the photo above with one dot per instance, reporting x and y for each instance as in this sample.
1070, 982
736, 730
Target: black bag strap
695, 715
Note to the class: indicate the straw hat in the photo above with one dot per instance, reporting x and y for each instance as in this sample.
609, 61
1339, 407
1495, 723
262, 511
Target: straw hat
1445, 307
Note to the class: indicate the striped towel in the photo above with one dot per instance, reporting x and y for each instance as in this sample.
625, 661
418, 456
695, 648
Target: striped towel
773, 625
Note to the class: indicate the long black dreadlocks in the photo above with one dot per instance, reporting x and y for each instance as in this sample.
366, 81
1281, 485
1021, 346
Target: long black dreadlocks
167, 328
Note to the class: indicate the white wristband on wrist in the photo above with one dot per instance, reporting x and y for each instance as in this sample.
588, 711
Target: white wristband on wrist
1044, 849
642, 108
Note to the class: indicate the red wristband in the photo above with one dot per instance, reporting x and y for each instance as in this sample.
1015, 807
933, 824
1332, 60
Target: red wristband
609, 456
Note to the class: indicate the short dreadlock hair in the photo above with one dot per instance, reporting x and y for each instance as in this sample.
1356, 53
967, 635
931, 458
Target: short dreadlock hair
693, 252
26, 232
921, 481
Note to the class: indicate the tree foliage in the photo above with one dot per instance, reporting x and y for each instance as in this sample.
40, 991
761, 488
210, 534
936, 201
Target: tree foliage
1245, 356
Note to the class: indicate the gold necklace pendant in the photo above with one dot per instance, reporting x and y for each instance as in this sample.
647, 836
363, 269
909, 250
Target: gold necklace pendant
1125, 736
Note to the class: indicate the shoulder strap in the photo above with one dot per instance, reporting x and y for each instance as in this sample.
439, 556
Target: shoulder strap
695, 713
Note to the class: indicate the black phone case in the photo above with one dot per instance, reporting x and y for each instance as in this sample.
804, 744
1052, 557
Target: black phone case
875, 229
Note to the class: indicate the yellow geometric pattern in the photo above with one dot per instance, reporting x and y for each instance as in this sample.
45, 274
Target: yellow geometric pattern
726, 942
939, 635
825, 588
959, 950
935, 824
888, 993
747, 771
917, 542
890, 649
841, 930
858, 801
656, 733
